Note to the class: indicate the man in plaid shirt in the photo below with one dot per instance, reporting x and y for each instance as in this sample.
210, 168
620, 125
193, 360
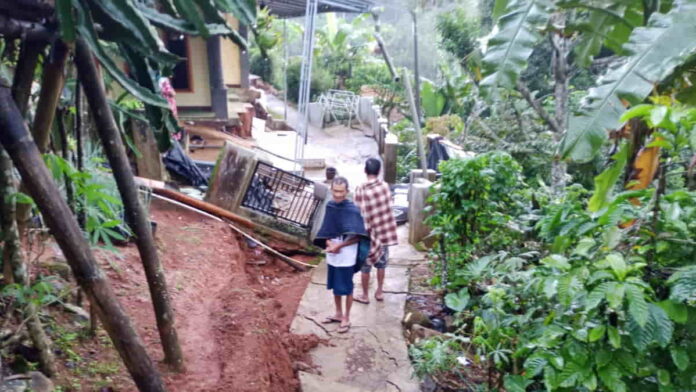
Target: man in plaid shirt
374, 199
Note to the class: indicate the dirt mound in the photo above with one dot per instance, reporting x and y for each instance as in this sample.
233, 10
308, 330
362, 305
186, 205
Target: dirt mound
233, 306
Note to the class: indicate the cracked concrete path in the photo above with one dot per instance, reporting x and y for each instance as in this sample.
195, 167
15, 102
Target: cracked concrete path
373, 355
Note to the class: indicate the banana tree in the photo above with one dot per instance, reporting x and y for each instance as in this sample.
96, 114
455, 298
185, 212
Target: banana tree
641, 57
341, 45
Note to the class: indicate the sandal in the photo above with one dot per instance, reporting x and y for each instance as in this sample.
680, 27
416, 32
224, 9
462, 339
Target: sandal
330, 319
361, 300
379, 298
344, 328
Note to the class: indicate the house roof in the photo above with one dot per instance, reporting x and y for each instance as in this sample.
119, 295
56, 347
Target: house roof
293, 8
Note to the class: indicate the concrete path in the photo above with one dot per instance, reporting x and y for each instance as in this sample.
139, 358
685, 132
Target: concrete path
342, 147
373, 355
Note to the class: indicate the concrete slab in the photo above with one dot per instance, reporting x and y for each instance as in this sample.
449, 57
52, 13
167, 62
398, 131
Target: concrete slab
405, 254
373, 355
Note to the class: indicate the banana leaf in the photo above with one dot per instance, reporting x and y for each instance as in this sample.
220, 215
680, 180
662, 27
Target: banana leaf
244, 10
85, 28
654, 52
169, 22
509, 49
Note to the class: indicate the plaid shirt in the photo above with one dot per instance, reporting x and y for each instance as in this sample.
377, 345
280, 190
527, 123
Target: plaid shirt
374, 200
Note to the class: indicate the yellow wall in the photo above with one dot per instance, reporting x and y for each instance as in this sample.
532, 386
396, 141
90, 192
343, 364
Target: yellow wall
231, 69
231, 64
200, 95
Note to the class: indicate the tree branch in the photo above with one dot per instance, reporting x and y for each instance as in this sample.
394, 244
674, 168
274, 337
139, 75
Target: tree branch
522, 88
12, 28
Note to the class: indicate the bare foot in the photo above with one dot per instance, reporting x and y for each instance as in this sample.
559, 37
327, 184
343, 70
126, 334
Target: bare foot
361, 299
379, 296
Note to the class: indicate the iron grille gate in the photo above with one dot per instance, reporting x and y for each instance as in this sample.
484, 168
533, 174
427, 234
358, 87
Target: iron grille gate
282, 195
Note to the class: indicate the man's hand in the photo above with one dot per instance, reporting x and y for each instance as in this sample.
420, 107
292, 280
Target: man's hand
332, 247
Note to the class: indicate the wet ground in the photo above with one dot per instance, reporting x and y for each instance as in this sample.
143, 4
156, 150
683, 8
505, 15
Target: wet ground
373, 355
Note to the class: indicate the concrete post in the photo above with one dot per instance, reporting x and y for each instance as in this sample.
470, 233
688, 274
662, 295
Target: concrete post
418, 195
391, 143
432, 175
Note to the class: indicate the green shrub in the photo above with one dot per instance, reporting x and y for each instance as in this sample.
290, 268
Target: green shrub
322, 81
473, 205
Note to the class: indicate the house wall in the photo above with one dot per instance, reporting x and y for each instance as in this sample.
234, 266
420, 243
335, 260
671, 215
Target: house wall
199, 96
231, 63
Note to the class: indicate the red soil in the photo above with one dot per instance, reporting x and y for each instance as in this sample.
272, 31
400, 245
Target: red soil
232, 317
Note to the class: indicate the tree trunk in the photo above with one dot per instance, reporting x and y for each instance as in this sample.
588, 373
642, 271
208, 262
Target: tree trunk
64, 152
16, 140
561, 49
79, 163
52, 82
135, 214
11, 256
15, 267
24, 73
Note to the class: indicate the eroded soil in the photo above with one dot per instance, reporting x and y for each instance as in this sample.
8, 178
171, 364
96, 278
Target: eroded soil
233, 306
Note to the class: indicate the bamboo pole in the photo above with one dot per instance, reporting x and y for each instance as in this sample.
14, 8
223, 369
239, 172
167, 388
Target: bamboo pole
26, 157
135, 214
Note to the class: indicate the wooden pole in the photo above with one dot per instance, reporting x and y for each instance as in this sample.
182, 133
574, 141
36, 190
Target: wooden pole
135, 214
52, 82
26, 157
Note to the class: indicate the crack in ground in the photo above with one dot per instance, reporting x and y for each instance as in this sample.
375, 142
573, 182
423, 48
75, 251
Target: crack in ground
385, 352
318, 324
394, 384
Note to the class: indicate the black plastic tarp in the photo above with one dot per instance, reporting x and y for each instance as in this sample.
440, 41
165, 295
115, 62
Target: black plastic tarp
178, 163
436, 153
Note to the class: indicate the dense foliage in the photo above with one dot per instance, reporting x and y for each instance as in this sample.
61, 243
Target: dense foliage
582, 291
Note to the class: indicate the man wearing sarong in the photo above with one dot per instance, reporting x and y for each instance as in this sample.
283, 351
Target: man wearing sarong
374, 199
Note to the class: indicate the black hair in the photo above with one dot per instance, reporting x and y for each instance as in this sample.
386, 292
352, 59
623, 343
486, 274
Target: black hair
338, 181
372, 166
331, 172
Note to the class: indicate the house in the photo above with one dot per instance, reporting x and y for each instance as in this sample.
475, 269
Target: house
211, 82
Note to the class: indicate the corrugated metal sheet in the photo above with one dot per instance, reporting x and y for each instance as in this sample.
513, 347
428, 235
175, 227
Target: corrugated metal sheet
294, 8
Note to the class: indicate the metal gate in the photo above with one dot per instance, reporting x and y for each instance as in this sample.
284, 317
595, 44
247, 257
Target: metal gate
282, 195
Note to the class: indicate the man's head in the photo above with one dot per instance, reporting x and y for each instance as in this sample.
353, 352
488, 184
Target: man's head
372, 167
330, 173
339, 189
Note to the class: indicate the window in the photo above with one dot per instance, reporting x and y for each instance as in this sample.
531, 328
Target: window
178, 45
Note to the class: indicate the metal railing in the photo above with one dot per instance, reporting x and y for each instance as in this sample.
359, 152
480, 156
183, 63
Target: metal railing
282, 195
